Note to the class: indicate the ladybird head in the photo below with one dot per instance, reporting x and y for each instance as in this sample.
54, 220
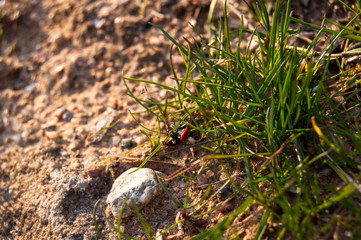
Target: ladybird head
179, 135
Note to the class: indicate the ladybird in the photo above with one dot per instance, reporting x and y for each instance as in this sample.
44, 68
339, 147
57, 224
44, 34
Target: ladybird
180, 135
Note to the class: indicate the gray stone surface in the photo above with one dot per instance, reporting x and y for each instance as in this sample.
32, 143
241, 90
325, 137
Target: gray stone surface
142, 186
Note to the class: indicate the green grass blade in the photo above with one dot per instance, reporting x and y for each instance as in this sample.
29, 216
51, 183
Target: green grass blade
95, 220
217, 231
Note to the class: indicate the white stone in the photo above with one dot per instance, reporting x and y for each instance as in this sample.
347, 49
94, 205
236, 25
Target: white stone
142, 186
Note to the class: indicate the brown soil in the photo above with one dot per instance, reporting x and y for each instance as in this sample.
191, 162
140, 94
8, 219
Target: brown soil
61, 70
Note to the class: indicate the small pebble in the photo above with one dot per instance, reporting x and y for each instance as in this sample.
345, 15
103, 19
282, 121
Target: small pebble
254, 45
58, 40
191, 140
140, 140
348, 233
115, 141
127, 143
68, 116
103, 121
68, 135
209, 173
202, 179
25, 135
33, 124
141, 187
226, 207
158, 235
30, 87
98, 23
325, 172
104, 12
59, 112
59, 69
52, 135
94, 172
73, 146
295, 190
225, 193
117, 20
108, 71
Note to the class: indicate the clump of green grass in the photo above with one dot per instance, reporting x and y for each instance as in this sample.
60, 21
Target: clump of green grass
272, 110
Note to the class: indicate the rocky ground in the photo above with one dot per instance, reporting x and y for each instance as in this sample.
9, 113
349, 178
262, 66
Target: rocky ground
61, 69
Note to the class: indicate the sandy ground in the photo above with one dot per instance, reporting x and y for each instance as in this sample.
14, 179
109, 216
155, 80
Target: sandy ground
61, 70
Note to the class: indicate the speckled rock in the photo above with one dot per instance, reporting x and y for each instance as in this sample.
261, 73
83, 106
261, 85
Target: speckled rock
102, 122
142, 186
